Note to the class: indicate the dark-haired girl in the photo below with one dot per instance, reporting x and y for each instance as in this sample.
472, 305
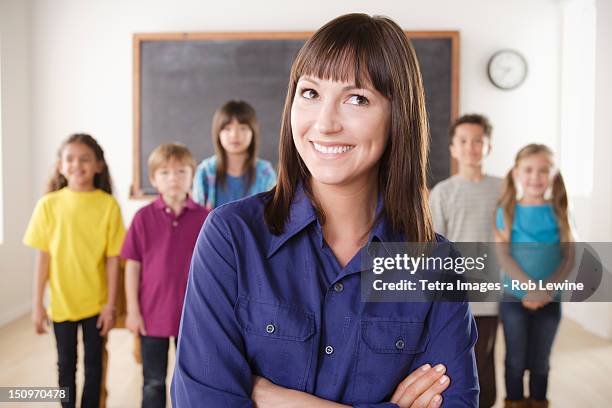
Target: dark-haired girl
273, 314
234, 171
78, 231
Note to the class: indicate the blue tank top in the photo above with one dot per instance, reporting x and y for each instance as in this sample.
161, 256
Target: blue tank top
534, 241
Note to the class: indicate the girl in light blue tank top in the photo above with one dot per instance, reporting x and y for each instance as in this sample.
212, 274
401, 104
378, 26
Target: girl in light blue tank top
532, 221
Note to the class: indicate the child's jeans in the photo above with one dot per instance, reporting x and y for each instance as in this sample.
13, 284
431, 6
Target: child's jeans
529, 336
66, 339
154, 351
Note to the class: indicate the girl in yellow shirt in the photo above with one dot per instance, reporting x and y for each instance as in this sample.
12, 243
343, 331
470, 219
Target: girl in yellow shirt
78, 231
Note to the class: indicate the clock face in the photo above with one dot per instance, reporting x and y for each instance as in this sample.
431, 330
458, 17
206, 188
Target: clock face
507, 69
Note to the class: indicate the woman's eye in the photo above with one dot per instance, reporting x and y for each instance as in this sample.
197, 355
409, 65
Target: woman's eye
358, 100
309, 93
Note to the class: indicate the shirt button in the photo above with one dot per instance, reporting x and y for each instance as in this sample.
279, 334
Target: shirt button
400, 344
329, 350
168, 210
338, 287
174, 223
270, 328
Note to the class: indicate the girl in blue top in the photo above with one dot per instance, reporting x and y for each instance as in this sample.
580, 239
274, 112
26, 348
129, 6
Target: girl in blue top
532, 225
234, 171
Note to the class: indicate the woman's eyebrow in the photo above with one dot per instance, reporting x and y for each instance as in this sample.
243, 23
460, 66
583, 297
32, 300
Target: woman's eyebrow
352, 88
347, 88
309, 79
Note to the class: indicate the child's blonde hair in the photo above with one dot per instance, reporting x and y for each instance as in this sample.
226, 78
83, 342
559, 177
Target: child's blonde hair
168, 151
508, 199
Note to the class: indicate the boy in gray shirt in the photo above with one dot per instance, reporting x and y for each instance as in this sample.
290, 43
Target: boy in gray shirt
462, 209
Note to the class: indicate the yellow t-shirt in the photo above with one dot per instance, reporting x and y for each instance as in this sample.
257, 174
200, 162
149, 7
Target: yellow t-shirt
79, 230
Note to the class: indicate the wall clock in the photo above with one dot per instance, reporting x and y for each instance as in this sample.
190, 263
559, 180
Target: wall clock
507, 69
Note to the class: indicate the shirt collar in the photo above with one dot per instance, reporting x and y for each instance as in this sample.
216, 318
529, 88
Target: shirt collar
161, 205
302, 214
190, 204
383, 232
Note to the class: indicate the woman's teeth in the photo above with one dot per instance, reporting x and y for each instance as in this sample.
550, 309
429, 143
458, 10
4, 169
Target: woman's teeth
332, 149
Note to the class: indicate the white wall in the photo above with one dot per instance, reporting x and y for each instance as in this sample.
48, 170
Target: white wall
82, 63
80, 72
15, 260
594, 214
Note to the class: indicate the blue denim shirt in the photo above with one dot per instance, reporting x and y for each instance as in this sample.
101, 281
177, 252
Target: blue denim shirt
282, 307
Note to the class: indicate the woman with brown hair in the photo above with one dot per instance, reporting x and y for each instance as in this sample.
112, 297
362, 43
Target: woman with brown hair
273, 313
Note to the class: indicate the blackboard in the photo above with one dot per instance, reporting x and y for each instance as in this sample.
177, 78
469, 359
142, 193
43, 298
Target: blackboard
181, 79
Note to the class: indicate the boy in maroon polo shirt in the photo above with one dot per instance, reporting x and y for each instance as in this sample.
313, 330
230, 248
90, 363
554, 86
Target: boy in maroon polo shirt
158, 248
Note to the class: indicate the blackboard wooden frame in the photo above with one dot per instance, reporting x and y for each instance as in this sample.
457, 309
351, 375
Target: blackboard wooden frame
136, 191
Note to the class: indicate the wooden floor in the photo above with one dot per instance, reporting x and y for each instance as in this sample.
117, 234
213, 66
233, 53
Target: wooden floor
581, 373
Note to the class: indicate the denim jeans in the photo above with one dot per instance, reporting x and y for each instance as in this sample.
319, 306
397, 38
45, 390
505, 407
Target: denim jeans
529, 336
154, 351
485, 361
66, 340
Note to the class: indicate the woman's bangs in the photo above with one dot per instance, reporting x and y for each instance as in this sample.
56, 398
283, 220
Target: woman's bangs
344, 61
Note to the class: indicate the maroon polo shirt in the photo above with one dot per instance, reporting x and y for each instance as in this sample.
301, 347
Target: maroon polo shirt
163, 243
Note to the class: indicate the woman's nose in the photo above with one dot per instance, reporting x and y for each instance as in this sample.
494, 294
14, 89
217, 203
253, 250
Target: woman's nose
327, 121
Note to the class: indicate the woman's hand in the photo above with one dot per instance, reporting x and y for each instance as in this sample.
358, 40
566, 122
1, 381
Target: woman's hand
422, 388
135, 324
40, 319
269, 395
106, 320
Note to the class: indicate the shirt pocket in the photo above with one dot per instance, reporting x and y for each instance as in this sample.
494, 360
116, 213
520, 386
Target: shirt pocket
278, 341
385, 354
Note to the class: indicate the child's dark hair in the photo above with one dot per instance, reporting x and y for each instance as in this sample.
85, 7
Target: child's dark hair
473, 119
244, 114
102, 180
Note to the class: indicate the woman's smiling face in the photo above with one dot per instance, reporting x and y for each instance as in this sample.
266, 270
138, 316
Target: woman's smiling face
339, 130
